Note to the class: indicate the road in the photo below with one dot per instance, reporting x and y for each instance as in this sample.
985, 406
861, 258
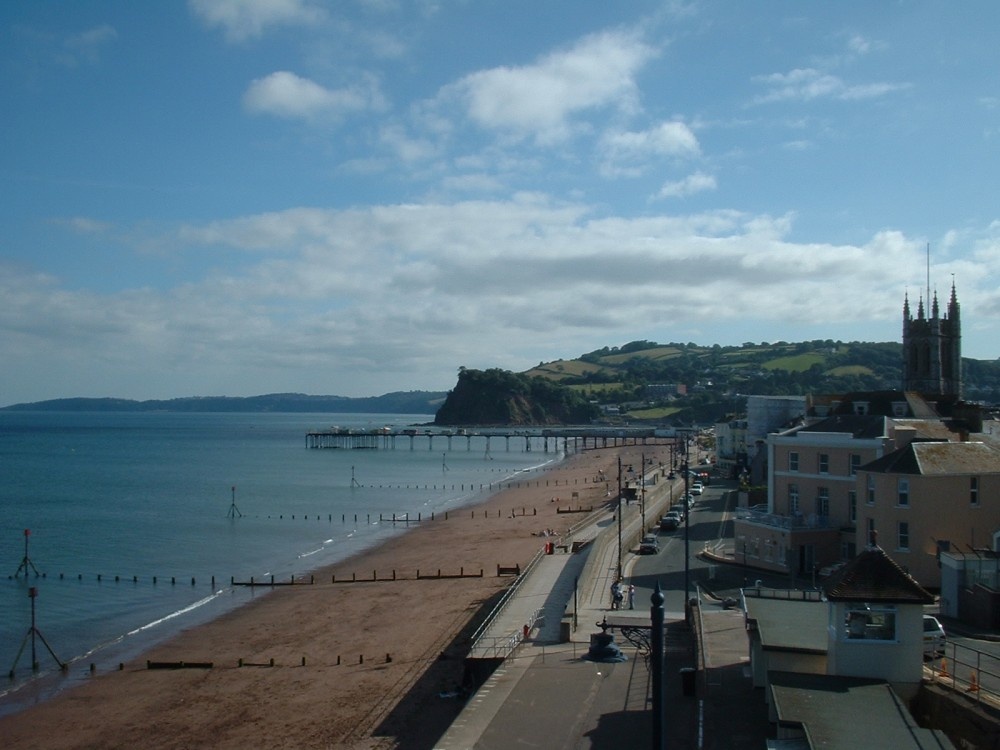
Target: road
707, 523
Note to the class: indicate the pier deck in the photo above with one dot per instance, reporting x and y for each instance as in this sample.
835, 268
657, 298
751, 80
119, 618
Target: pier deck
571, 439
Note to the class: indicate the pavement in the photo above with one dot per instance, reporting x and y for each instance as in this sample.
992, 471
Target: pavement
546, 694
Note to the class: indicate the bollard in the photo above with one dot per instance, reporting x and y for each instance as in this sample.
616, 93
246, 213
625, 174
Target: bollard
93, 667
271, 662
973, 683
388, 658
303, 661
361, 659
338, 660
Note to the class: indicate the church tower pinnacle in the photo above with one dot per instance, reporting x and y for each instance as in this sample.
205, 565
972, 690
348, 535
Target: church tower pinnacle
932, 347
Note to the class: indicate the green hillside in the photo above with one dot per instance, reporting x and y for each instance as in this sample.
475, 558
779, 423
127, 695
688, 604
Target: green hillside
713, 375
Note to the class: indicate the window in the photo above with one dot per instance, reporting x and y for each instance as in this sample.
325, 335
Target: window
793, 499
824, 463
855, 463
903, 535
871, 490
793, 461
866, 623
823, 501
903, 492
974, 491
852, 505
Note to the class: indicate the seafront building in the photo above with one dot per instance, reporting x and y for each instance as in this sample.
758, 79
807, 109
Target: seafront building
841, 669
919, 466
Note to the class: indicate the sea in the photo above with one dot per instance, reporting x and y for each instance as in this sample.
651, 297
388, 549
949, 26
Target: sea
119, 529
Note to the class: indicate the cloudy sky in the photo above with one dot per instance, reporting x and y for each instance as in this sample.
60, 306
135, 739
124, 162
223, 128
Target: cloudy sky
235, 197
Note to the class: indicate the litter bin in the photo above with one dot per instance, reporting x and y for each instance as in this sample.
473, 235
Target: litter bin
687, 681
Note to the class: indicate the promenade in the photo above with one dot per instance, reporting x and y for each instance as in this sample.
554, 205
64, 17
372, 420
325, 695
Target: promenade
545, 694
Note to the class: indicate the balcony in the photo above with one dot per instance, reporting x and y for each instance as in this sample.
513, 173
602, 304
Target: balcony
758, 514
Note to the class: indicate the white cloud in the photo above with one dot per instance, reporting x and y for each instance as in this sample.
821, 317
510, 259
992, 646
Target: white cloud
541, 99
693, 183
632, 152
246, 19
379, 296
287, 95
807, 84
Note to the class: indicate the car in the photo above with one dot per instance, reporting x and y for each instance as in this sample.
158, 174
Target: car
934, 637
697, 489
649, 545
671, 520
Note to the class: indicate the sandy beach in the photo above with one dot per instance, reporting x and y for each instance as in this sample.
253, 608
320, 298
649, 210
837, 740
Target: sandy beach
356, 664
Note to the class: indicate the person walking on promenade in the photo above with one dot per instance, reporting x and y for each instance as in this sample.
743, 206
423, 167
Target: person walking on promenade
616, 595
631, 596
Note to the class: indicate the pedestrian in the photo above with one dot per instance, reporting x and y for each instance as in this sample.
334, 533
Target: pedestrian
631, 596
616, 595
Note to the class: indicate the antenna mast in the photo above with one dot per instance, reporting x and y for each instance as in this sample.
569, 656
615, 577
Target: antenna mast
928, 276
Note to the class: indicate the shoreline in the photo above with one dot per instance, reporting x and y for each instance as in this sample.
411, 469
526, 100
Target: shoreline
355, 664
107, 656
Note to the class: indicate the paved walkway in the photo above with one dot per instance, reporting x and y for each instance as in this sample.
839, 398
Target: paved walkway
548, 696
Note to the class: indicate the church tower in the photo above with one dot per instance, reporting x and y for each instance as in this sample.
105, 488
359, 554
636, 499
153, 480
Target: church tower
932, 348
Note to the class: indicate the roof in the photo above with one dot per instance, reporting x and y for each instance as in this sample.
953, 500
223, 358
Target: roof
873, 576
935, 429
789, 625
857, 425
849, 713
937, 458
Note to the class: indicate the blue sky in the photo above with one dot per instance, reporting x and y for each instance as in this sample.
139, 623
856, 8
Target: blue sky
218, 197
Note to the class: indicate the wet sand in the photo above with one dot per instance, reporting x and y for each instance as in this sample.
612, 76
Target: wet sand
363, 664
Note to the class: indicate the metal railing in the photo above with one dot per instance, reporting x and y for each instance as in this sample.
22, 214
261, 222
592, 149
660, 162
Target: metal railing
505, 600
502, 646
968, 670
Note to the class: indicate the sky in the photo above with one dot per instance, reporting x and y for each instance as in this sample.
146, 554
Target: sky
238, 197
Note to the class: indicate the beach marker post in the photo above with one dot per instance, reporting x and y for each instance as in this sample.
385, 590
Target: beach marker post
32, 632
234, 512
26, 561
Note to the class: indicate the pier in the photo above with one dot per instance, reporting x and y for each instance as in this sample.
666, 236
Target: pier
571, 439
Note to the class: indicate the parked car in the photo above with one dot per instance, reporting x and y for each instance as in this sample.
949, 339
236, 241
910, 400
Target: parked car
649, 545
671, 520
934, 637
697, 488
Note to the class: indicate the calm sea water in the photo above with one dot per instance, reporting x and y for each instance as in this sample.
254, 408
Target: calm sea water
144, 496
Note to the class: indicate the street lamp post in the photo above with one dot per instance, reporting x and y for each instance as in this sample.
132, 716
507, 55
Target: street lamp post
618, 504
642, 502
687, 530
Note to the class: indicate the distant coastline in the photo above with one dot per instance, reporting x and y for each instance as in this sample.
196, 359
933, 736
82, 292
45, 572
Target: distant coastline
400, 402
